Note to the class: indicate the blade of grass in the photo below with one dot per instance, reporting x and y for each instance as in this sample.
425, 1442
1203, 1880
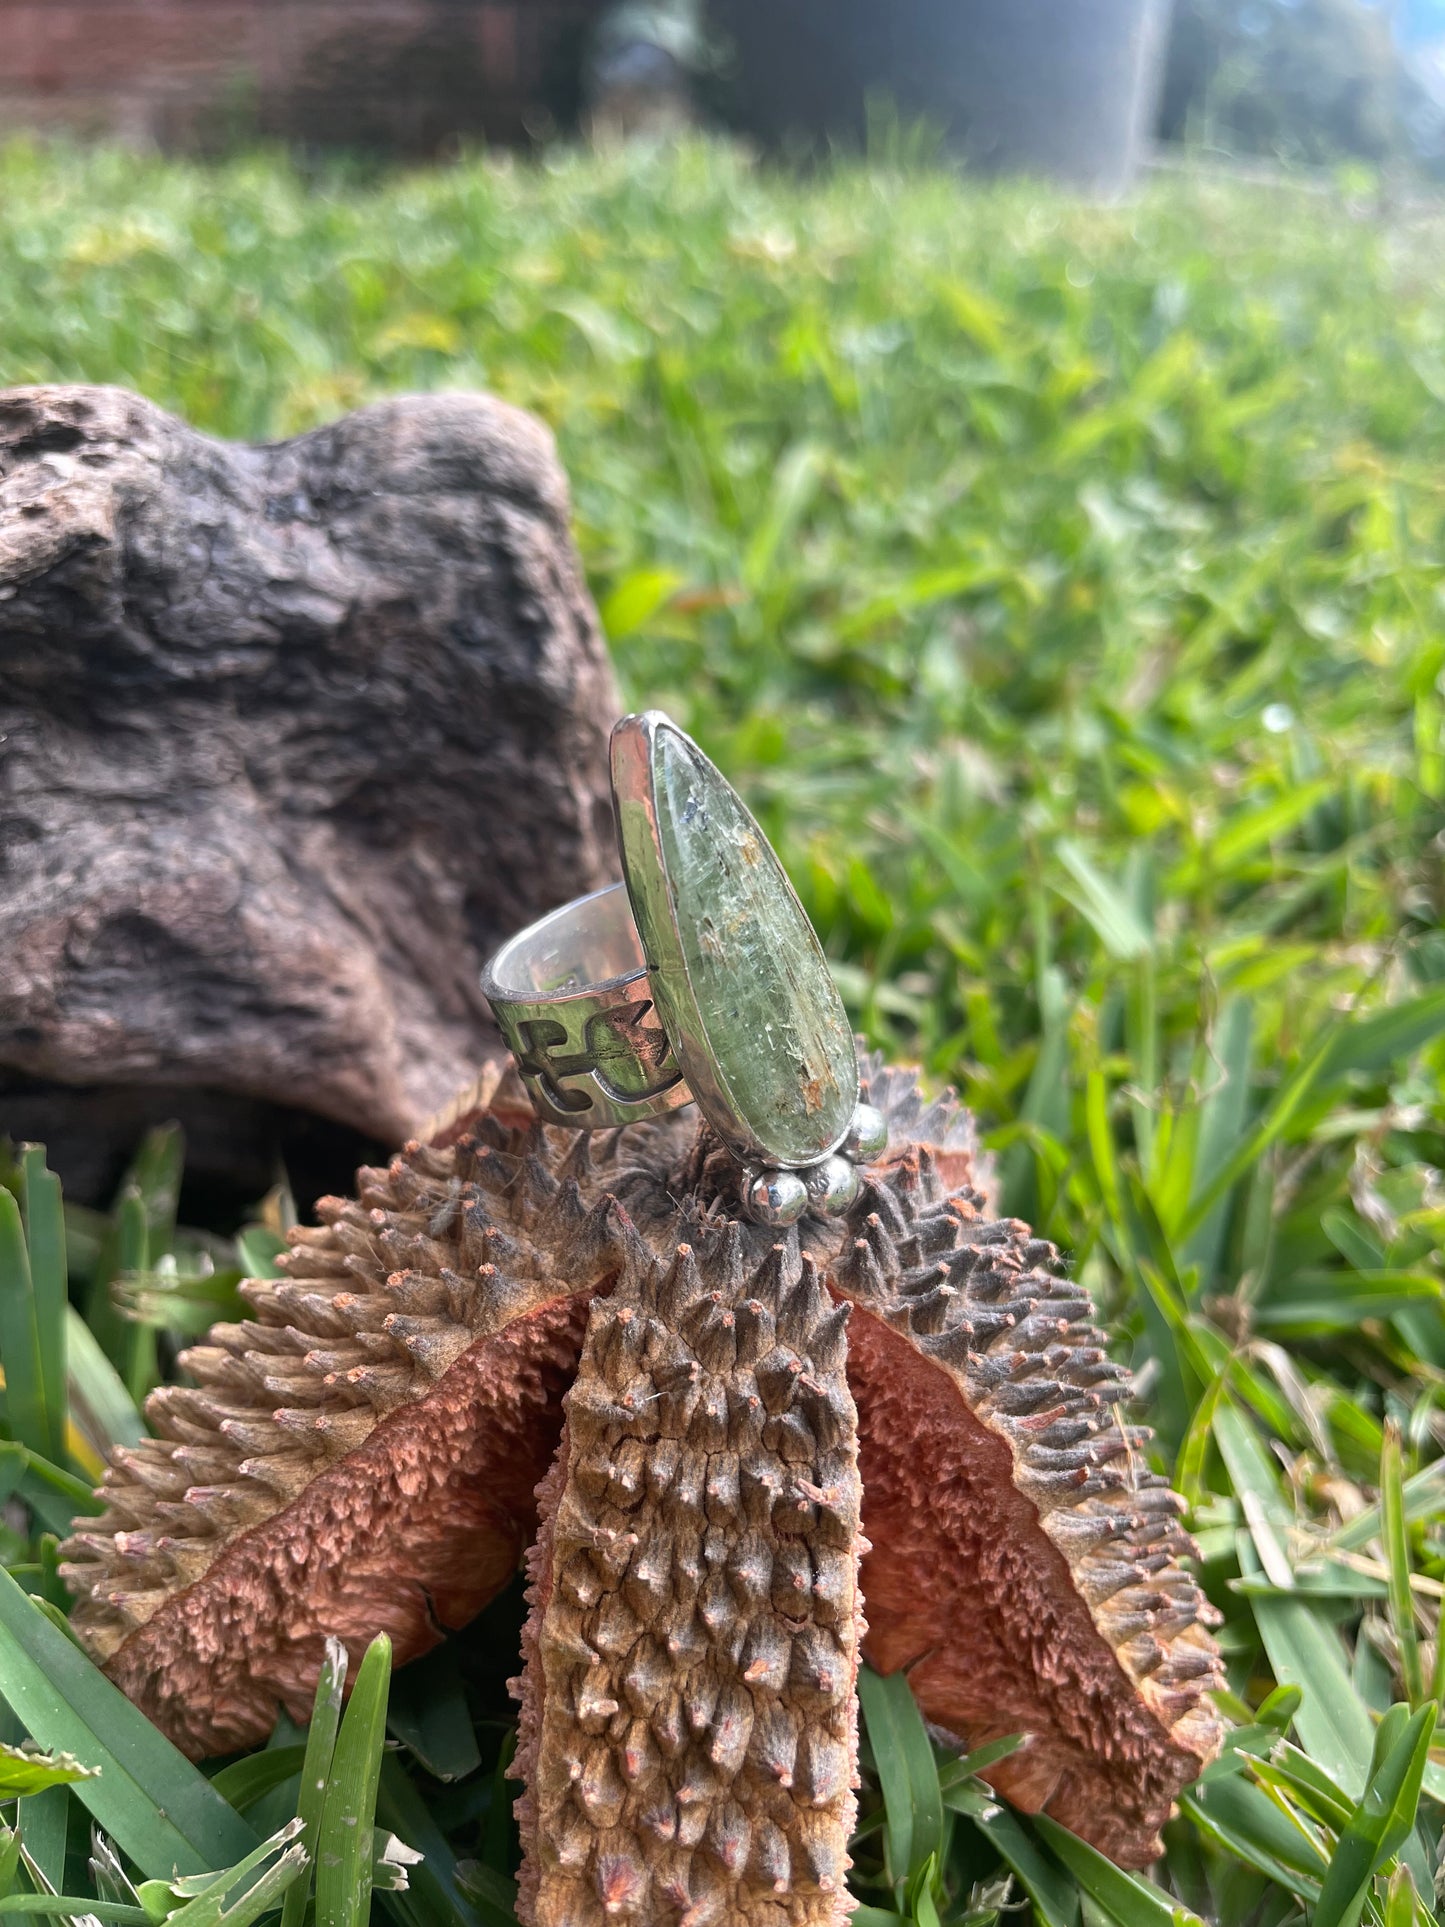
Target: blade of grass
74, 1906
184, 1296
392, 1861
53, 1495
258, 1248
142, 1226
493, 1897
401, 1806
45, 1236
1101, 1147
24, 1774
1423, 1496
495, 1846
1223, 1112
259, 1898
111, 1880
1271, 1126
1256, 1486
1400, 1900
428, 1713
1397, 1560
969, 1764
213, 1887
53, 1589
244, 1782
1247, 829
1055, 1901
10, 1859
136, 1344
920, 1898
1385, 1039
1380, 1824
44, 1822
316, 1770
110, 1413
1242, 1819
1141, 1023
1333, 1722
20, 1354
1055, 1898
1126, 1899
1366, 1043
206, 1896
1189, 1465
1046, 1099
903, 1754
1102, 903
164, 1813
344, 1842
1291, 1766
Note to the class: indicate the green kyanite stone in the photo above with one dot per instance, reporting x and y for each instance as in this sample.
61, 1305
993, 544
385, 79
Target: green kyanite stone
772, 1023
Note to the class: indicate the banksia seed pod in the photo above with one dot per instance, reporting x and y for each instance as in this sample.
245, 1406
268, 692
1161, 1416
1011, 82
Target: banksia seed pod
362, 1455
1026, 1565
688, 1738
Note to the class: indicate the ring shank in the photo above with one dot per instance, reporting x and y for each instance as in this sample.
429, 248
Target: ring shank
589, 944
571, 997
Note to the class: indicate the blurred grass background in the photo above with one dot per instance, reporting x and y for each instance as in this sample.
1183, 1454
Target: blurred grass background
1063, 586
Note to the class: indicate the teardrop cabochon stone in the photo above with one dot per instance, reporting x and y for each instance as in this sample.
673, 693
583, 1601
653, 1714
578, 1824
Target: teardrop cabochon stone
738, 975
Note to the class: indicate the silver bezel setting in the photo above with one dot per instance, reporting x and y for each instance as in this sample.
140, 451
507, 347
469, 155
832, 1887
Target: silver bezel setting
634, 793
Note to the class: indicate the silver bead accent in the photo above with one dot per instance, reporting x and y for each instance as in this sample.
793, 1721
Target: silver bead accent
867, 1135
832, 1186
775, 1197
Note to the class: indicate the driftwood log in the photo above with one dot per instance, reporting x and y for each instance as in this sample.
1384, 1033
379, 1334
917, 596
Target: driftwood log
290, 737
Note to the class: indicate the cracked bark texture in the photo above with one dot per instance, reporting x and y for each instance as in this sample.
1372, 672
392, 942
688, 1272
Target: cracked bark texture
360, 1455
290, 738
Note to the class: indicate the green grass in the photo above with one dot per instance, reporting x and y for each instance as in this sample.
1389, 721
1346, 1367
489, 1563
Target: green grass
1064, 587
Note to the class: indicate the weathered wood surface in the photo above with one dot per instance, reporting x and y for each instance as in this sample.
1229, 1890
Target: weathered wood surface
290, 738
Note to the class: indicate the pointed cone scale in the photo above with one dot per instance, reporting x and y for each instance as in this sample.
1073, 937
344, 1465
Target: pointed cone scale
739, 977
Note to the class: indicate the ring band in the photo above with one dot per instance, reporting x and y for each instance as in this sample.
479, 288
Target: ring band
571, 997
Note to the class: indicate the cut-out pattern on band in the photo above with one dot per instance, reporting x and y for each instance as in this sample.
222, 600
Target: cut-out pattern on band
627, 1060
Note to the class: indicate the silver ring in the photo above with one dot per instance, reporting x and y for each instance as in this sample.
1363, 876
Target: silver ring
707, 937
584, 1048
